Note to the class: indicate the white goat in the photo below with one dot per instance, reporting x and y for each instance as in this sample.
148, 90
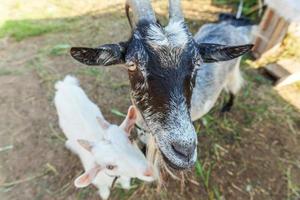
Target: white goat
104, 149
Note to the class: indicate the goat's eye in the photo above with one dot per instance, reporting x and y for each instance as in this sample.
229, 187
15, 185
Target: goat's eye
198, 62
111, 167
131, 66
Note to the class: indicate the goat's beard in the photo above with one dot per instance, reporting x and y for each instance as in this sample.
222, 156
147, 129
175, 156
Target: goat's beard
155, 157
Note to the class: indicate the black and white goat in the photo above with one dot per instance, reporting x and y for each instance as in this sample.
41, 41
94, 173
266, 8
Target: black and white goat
164, 63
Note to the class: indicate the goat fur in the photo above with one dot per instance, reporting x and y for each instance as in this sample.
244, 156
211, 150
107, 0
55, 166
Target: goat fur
78, 120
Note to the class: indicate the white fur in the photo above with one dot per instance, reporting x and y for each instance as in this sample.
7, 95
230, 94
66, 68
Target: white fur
156, 37
77, 118
176, 33
235, 80
173, 35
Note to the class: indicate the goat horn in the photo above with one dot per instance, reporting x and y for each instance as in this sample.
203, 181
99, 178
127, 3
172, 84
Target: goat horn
175, 11
142, 10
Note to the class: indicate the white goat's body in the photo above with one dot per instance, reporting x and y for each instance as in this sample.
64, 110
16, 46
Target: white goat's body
78, 120
77, 114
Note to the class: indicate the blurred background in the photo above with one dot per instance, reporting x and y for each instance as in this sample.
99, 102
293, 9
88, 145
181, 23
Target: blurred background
252, 152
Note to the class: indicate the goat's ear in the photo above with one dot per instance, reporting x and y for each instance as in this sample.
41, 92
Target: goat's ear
87, 178
86, 144
217, 52
130, 120
103, 123
108, 54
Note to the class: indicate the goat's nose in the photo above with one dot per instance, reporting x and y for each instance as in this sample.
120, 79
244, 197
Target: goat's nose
184, 149
148, 172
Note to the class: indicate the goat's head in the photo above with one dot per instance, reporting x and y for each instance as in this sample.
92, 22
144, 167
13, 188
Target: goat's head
115, 155
162, 64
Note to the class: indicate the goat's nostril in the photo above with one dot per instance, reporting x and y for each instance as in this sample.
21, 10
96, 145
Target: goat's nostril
184, 150
179, 149
148, 172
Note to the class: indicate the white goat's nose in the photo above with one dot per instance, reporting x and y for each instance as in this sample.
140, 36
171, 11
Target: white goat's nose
148, 172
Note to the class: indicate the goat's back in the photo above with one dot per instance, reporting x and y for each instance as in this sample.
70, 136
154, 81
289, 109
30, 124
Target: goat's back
77, 113
224, 33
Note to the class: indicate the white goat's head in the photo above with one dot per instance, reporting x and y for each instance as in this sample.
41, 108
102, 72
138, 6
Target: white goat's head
162, 65
115, 155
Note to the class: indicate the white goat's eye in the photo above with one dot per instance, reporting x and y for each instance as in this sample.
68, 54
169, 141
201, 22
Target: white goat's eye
111, 167
131, 66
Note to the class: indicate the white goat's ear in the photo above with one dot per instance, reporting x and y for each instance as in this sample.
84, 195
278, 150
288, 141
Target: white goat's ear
103, 123
86, 144
87, 178
130, 120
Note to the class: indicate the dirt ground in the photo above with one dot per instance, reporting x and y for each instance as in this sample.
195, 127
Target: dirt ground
252, 152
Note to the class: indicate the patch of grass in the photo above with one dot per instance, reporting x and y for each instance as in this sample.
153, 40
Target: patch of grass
202, 173
22, 29
47, 169
214, 124
208, 122
221, 2
291, 47
292, 189
117, 85
60, 49
218, 151
205, 175
6, 72
217, 193
253, 76
118, 113
84, 193
90, 71
248, 7
57, 135
46, 76
6, 148
123, 194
